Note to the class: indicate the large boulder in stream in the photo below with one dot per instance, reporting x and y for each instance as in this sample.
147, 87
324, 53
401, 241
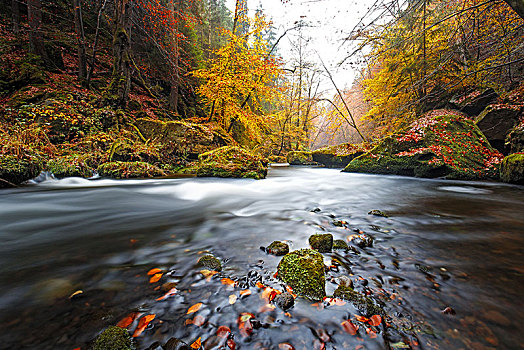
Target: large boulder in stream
303, 271
128, 170
300, 158
440, 144
14, 170
338, 156
496, 122
512, 169
231, 161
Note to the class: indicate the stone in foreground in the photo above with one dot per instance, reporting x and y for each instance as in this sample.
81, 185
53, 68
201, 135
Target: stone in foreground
303, 271
322, 243
278, 248
114, 338
284, 301
365, 305
231, 161
512, 169
210, 262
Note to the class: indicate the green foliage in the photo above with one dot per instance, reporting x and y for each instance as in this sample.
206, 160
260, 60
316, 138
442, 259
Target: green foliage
231, 161
127, 170
299, 158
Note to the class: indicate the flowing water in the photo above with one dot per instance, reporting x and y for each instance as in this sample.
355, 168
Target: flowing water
445, 244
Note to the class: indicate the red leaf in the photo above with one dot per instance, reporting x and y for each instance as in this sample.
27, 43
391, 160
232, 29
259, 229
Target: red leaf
349, 327
126, 321
375, 320
143, 323
223, 332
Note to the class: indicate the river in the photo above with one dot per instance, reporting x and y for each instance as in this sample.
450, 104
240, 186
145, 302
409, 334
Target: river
445, 244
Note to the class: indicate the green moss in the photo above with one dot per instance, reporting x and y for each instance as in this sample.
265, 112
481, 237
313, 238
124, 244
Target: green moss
126, 170
210, 262
114, 338
322, 243
303, 271
339, 244
512, 169
71, 166
16, 170
231, 161
362, 303
300, 158
277, 248
337, 156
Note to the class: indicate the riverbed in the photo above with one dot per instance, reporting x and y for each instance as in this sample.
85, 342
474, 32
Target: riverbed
75, 254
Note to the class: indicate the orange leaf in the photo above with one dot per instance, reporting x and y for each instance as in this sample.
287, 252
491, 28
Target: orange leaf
197, 343
231, 344
126, 321
199, 320
223, 332
143, 323
245, 292
361, 318
266, 308
375, 320
349, 327
228, 281
194, 308
153, 271
155, 278
171, 292
260, 285
208, 274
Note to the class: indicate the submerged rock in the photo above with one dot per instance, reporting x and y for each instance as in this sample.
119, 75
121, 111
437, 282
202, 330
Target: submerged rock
437, 145
496, 122
231, 161
512, 169
15, 170
176, 344
278, 248
303, 271
114, 338
377, 212
322, 243
337, 156
340, 244
127, 170
210, 262
284, 301
365, 305
362, 240
300, 158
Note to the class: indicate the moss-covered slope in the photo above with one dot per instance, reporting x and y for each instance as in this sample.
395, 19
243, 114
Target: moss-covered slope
231, 161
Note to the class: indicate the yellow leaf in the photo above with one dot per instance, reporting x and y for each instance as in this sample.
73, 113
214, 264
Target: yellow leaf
197, 343
155, 278
232, 299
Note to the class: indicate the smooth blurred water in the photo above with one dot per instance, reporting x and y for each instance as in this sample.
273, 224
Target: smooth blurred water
446, 243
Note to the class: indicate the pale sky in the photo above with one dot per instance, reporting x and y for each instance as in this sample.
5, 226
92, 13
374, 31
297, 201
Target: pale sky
329, 19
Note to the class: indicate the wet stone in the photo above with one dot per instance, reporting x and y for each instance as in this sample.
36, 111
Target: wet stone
339, 244
323, 243
277, 248
176, 344
210, 262
365, 305
114, 338
377, 212
345, 281
362, 241
284, 301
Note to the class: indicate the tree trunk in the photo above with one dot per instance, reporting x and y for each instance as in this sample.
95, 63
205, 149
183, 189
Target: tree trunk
15, 15
80, 36
95, 44
175, 74
121, 77
36, 38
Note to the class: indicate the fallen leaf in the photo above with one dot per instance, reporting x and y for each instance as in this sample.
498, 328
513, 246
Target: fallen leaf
375, 320
155, 278
171, 292
126, 321
153, 271
199, 320
76, 293
245, 292
231, 344
142, 324
285, 346
223, 332
232, 299
228, 281
267, 307
361, 318
194, 308
208, 274
349, 327
197, 343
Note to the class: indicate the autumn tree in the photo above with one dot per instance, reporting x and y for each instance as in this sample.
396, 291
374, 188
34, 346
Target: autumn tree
36, 36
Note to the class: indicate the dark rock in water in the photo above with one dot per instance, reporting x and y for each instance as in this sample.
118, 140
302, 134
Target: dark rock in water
316, 210
339, 223
300, 158
322, 243
512, 169
284, 301
278, 248
303, 271
496, 122
114, 338
210, 262
15, 170
474, 102
440, 144
378, 213
515, 139
362, 240
251, 279
127, 170
339, 244
337, 156
365, 305
176, 344
231, 161
449, 311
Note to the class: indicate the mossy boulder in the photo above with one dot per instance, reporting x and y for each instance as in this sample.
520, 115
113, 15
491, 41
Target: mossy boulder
303, 271
362, 240
128, 170
182, 138
515, 139
496, 122
300, 158
322, 243
377, 212
69, 166
210, 262
15, 170
114, 338
512, 169
284, 300
340, 244
440, 144
338, 156
365, 305
277, 248
231, 161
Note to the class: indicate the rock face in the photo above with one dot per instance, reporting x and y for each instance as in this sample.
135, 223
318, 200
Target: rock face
128, 170
474, 102
496, 121
231, 161
14, 170
322, 243
303, 271
183, 138
300, 158
512, 169
440, 144
337, 156
114, 338
515, 138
